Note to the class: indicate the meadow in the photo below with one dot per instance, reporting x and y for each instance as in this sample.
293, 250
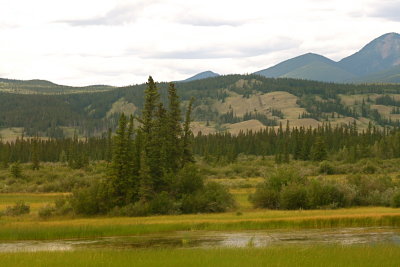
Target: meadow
276, 256
43, 187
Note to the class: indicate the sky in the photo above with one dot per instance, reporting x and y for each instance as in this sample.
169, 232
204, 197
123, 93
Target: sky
121, 42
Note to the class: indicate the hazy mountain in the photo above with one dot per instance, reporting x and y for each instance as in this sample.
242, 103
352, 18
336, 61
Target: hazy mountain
375, 62
310, 67
391, 75
291, 64
380, 54
202, 75
320, 71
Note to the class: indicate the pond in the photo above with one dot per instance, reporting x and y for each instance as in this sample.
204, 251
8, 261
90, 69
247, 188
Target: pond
211, 239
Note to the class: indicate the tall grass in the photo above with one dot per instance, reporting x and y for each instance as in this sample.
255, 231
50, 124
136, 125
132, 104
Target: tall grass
88, 228
275, 256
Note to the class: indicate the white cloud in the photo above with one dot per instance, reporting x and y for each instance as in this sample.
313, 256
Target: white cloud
122, 42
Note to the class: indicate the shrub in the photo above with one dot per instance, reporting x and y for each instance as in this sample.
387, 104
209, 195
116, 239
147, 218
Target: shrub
137, 209
91, 200
369, 168
323, 194
265, 197
282, 177
326, 167
19, 208
212, 198
16, 170
293, 196
163, 204
396, 200
188, 180
62, 206
46, 211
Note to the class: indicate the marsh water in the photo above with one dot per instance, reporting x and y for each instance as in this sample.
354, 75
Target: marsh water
209, 239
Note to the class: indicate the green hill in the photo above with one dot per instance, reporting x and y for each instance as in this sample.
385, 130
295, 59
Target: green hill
222, 103
46, 87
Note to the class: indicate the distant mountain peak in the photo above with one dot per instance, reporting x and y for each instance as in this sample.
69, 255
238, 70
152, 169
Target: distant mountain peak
202, 75
379, 54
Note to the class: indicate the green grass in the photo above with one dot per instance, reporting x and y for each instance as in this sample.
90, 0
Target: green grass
32, 228
274, 256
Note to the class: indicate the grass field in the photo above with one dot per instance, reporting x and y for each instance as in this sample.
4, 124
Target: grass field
274, 256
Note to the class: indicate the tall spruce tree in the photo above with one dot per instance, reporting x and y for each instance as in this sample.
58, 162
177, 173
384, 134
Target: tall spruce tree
187, 156
174, 131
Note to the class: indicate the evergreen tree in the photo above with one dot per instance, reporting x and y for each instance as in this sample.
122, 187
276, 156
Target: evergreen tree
318, 150
35, 155
187, 156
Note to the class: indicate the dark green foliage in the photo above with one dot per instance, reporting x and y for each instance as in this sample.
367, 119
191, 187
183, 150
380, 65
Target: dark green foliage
318, 150
395, 203
326, 167
35, 156
16, 170
95, 199
20, 208
152, 169
265, 197
288, 190
293, 196
188, 180
213, 198
322, 194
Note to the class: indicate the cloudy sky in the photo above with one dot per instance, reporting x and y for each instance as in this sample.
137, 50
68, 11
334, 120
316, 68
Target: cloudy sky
121, 42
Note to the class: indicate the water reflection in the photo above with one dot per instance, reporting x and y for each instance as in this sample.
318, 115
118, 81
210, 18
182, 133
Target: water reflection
207, 239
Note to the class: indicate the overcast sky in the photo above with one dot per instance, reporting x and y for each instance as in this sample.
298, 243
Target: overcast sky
121, 42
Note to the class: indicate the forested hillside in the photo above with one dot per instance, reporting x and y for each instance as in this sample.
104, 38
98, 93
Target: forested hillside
232, 102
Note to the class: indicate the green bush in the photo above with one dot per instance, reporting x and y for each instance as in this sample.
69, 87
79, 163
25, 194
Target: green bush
265, 197
293, 196
16, 170
212, 198
163, 203
326, 167
282, 177
188, 180
396, 200
323, 195
19, 208
91, 200
46, 211
137, 209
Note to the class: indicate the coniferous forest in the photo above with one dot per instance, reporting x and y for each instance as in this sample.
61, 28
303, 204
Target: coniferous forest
151, 167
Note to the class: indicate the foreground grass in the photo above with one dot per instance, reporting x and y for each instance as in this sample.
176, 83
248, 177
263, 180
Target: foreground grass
24, 228
274, 256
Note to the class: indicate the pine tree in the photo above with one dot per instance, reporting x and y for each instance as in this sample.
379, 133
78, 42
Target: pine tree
187, 156
174, 131
35, 155
318, 150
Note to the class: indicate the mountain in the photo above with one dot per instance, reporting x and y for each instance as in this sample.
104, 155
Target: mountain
202, 75
292, 64
380, 54
375, 62
309, 67
391, 75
